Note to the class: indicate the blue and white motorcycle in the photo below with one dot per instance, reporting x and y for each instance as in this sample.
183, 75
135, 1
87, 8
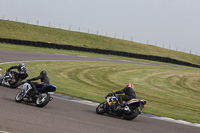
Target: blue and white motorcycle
12, 79
41, 99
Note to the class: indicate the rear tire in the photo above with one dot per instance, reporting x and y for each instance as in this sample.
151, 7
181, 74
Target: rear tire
1, 79
19, 96
43, 100
132, 115
101, 109
18, 83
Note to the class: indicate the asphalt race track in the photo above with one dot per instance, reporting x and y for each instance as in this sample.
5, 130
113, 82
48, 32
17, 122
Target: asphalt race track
64, 116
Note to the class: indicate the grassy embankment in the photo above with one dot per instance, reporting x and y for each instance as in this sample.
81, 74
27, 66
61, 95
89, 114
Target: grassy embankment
14, 30
170, 92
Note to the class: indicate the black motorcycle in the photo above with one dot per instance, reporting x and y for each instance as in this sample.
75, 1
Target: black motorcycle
12, 79
128, 111
41, 99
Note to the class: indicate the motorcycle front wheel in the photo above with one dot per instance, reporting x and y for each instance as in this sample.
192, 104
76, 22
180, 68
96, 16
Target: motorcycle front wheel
43, 100
101, 109
19, 96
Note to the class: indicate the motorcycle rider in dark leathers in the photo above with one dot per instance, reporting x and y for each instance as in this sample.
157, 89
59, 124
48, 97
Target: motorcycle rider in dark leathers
21, 69
44, 81
129, 94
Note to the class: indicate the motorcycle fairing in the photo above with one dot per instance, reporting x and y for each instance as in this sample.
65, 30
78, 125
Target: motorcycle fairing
48, 88
140, 103
112, 100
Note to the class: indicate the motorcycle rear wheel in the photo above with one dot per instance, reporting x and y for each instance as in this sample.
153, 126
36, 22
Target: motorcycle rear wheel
131, 115
101, 109
16, 84
1, 79
43, 100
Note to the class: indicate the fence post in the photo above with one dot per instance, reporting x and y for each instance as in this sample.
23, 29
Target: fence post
38, 22
27, 21
69, 27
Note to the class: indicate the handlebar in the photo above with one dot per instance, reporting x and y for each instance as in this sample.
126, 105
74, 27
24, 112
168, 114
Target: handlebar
110, 94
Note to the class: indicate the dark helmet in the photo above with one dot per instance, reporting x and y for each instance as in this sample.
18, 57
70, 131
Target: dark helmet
44, 73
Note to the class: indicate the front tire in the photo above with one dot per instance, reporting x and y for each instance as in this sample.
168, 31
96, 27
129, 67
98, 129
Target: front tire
19, 96
101, 109
43, 100
131, 115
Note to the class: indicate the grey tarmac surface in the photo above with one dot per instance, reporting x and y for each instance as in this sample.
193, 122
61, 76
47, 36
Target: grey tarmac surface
64, 116
10, 56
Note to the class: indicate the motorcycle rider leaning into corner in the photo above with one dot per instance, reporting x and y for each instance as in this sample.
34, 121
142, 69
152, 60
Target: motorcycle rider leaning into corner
44, 81
21, 69
129, 94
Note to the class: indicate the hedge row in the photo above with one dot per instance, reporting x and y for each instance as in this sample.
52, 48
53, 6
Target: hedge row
96, 50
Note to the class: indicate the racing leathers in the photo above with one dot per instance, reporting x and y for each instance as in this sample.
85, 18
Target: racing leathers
44, 81
129, 94
21, 70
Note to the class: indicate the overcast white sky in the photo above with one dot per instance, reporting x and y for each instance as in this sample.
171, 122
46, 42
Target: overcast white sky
174, 24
